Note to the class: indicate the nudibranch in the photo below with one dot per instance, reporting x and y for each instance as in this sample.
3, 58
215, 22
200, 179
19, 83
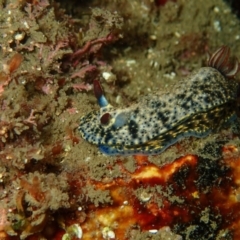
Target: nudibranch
196, 106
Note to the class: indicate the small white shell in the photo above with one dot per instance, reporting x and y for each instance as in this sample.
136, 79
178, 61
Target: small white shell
73, 232
145, 196
108, 233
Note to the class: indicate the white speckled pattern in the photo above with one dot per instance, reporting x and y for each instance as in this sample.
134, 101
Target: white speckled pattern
193, 107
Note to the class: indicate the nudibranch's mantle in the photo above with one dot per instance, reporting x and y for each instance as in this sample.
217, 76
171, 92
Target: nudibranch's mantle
195, 107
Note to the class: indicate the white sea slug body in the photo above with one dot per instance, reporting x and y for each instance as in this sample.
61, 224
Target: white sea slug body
195, 107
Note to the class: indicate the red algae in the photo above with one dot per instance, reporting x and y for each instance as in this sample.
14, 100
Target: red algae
160, 2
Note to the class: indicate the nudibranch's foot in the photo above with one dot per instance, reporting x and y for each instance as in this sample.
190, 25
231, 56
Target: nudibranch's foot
108, 150
220, 61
